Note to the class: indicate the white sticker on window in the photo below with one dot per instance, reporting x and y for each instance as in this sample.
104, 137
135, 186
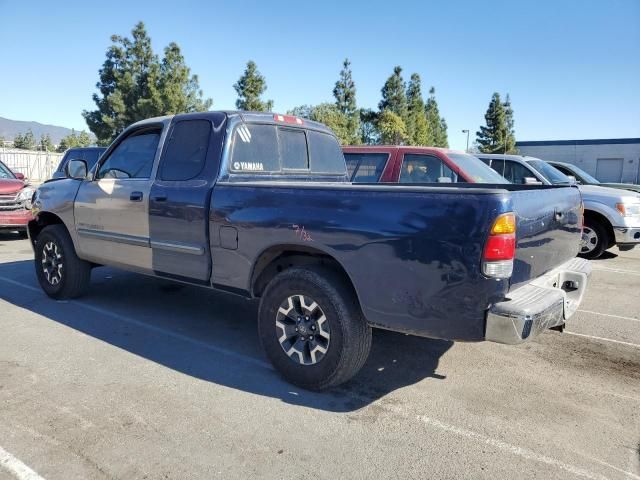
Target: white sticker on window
245, 134
251, 166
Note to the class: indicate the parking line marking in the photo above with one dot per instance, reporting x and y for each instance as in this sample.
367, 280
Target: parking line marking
16, 467
603, 339
470, 434
616, 270
611, 315
629, 474
155, 329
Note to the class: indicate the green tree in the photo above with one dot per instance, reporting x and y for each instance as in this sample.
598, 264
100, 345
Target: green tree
249, 87
134, 85
437, 124
45, 143
394, 97
418, 132
369, 134
75, 140
392, 129
496, 136
25, 141
344, 92
508, 116
328, 114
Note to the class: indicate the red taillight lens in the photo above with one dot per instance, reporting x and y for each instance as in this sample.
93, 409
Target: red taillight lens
500, 247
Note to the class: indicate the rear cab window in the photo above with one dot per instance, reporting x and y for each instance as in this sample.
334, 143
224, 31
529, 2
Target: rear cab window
424, 168
366, 167
275, 149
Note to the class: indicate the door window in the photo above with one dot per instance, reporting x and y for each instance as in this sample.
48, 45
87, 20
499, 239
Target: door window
186, 152
516, 173
133, 157
424, 169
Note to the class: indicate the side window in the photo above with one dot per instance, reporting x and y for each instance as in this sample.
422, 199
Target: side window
186, 151
255, 148
564, 170
293, 149
366, 167
424, 169
325, 154
496, 164
515, 172
133, 157
92, 158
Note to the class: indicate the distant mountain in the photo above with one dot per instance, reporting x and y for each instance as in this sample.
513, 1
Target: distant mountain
9, 129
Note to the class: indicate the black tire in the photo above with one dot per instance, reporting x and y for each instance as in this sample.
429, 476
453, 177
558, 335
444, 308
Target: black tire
74, 274
350, 335
23, 234
597, 237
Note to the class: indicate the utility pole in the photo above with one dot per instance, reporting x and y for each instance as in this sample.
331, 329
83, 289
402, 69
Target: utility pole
467, 132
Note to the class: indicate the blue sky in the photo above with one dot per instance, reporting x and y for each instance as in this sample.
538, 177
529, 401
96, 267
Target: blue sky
572, 68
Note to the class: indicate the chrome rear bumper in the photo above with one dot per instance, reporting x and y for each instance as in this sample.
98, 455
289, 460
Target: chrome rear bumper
544, 303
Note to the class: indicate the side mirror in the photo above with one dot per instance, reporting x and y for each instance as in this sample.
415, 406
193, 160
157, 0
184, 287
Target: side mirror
572, 180
76, 169
19, 176
532, 181
444, 180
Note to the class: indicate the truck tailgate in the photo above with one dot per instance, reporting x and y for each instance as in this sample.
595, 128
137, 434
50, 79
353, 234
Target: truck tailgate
548, 230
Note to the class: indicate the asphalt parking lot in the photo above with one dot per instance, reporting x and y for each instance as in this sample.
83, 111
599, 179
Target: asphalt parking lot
147, 379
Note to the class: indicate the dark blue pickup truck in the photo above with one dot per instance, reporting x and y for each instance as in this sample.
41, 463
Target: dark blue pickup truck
259, 205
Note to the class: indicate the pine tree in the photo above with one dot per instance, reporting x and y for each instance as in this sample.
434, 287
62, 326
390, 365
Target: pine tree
134, 85
508, 116
345, 95
497, 135
249, 87
437, 124
45, 143
394, 97
417, 127
25, 141
392, 128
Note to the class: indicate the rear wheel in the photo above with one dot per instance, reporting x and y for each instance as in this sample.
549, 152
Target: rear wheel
312, 329
595, 239
60, 272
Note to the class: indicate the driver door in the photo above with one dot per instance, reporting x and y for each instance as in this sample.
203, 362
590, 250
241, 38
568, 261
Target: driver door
112, 210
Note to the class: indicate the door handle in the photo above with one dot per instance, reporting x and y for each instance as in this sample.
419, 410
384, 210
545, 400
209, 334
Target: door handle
160, 198
135, 196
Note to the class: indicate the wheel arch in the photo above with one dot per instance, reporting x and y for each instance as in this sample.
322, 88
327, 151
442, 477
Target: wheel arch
604, 221
277, 258
44, 219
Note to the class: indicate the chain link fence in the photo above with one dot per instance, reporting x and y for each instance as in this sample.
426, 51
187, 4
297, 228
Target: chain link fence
37, 166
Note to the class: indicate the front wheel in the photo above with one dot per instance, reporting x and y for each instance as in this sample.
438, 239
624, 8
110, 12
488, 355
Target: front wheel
312, 329
60, 272
595, 239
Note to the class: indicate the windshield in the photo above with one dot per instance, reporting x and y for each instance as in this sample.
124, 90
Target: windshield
582, 175
555, 176
475, 169
5, 172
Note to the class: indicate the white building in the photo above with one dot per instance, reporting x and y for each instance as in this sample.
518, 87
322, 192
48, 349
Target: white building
611, 160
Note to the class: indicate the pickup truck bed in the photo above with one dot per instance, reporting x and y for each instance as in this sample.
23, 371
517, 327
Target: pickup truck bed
328, 259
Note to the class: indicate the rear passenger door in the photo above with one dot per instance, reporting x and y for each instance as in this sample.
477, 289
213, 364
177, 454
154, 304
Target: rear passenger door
180, 197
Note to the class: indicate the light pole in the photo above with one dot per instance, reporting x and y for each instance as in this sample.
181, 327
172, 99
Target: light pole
467, 132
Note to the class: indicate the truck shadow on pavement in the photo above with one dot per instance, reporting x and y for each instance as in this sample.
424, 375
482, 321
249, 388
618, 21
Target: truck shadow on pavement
211, 336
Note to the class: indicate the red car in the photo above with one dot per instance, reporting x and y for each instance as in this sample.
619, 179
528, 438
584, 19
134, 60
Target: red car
400, 164
15, 200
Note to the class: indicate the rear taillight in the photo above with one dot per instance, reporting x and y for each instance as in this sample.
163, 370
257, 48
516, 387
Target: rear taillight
500, 248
